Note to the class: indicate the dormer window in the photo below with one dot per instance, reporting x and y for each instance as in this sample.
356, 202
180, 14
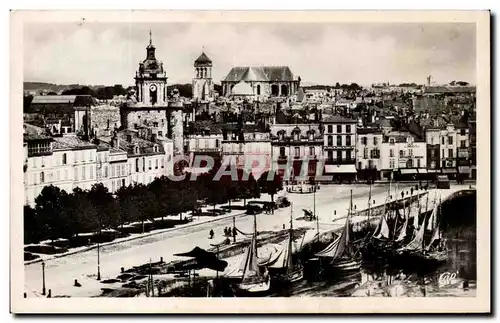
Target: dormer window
155, 148
391, 141
311, 135
136, 150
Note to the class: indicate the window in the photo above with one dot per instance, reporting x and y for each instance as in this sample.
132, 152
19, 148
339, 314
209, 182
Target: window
281, 135
143, 164
443, 164
105, 171
450, 153
433, 164
296, 135
339, 128
76, 174
348, 140
162, 163
442, 140
160, 134
155, 148
443, 154
409, 164
311, 151
432, 140
282, 152
375, 141
462, 132
112, 171
258, 89
410, 151
391, 141
123, 182
433, 153
297, 151
156, 163
401, 153
348, 128
64, 159
371, 165
311, 135
462, 144
391, 153
365, 153
150, 164
42, 177
155, 124
91, 171
450, 140
348, 156
364, 141
330, 141
339, 140
137, 165
330, 155
418, 163
330, 128
83, 173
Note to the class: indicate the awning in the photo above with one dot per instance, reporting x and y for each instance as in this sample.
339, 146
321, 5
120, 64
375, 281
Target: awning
422, 170
464, 169
346, 169
408, 171
449, 171
204, 259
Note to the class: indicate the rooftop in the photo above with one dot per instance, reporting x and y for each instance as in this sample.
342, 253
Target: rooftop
262, 74
72, 142
338, 119
203, 59
79, 100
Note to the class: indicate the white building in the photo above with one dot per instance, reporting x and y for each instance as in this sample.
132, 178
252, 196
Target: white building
368, 149
402, 153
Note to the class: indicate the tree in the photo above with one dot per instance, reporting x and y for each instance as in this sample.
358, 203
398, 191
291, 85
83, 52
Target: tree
272, 186
50, 207
127, 209
337, 85
104, 206
81, 213
32, 227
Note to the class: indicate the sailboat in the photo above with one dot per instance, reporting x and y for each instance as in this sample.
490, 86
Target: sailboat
340, 251
417, 247
254, 279
281, 265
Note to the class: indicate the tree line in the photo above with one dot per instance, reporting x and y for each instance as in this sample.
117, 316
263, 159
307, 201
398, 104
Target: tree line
59, 214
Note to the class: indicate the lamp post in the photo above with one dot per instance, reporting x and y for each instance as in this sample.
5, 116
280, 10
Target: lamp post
98, 254
43, 278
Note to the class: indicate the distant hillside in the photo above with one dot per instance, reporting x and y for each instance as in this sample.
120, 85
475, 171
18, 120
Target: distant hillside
39, 87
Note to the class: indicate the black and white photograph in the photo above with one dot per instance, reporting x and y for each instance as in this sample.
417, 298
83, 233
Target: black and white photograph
213, 157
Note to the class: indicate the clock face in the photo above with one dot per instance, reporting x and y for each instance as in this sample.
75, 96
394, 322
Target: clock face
152, 87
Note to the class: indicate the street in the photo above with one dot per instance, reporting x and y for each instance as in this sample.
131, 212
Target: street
60, 273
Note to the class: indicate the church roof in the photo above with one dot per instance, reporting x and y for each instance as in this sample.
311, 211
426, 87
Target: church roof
262, 74
203, 59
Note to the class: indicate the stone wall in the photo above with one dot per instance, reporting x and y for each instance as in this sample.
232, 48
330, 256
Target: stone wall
105, 118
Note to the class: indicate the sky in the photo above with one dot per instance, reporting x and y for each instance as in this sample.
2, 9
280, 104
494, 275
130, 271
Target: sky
320, 53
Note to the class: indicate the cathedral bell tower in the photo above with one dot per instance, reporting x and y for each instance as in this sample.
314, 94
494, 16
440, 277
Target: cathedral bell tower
151, 79
202, 81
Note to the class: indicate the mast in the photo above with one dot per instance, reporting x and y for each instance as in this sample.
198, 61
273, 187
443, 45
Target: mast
395, 215
290, 239
314, 209
255, 233
369, 204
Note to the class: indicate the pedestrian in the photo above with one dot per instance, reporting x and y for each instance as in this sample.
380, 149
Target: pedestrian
234, 232
225, 231
211, 233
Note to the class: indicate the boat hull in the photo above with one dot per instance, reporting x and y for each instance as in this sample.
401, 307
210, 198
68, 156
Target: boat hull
256, 288
346, 265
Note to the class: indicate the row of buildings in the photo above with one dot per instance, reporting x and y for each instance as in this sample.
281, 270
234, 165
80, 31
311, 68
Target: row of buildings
75, 141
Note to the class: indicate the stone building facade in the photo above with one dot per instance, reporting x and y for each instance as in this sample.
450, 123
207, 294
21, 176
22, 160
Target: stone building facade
203, 86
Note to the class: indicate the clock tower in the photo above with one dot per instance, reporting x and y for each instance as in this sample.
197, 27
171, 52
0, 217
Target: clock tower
151, 79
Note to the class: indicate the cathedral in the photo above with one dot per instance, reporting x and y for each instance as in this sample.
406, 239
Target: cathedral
148, 109
260, 82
